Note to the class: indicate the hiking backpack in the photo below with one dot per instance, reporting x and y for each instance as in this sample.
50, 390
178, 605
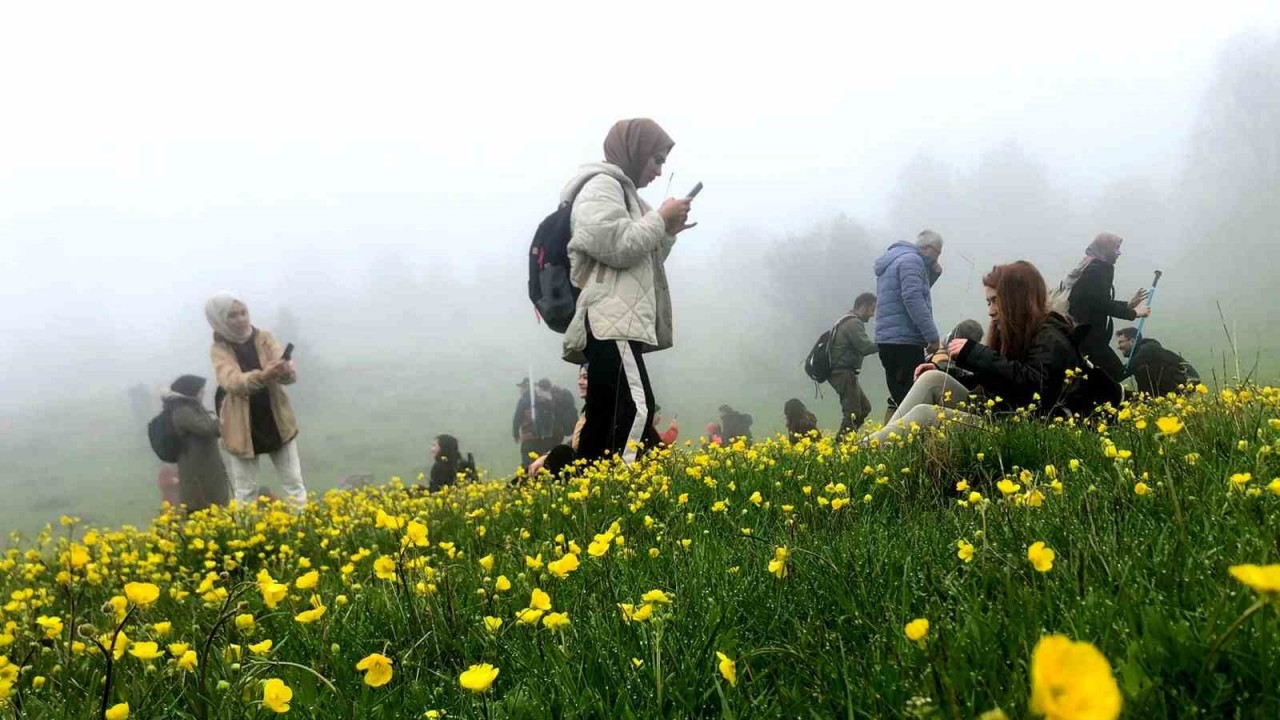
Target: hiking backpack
553, 295
164, 437
818, 365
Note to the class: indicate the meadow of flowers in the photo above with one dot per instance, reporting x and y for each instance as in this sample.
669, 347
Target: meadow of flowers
1118, 567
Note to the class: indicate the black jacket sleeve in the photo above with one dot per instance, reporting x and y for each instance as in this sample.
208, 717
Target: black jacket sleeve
1093, 293
1017, 381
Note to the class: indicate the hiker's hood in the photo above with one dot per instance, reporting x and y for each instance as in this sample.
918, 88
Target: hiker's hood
630, 145
895, 251
216, 310
590, 170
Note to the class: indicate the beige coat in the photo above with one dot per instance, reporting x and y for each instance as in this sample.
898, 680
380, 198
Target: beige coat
616, 257
234, 414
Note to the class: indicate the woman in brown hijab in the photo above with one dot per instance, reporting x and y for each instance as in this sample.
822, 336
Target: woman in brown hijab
617, 257
1091, 295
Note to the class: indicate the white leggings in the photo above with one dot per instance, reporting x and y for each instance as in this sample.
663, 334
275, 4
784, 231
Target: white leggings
244, 475
929, 403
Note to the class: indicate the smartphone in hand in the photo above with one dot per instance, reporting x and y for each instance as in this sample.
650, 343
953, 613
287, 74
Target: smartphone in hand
288, 353
694, 192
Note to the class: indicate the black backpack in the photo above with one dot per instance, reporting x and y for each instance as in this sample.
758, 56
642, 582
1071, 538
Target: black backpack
818, 365
164, 437
554, 297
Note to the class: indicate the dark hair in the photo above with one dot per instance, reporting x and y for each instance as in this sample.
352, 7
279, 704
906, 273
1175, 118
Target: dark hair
865, 299
189, 385
545, 383
799, 420
1023, 299
1129, 332
448, 449
969, 330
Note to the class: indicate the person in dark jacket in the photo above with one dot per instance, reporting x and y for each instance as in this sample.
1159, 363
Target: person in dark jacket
1091, 302
447, 462
905, 330
734, 424
800, 422
1025, 361
202, 478
849, 345
534, 425
1156, 369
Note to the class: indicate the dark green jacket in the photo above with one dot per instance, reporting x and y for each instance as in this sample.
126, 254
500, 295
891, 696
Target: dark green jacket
850, 344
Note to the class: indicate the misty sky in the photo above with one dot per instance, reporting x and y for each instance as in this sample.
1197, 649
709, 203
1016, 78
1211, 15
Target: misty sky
151, 154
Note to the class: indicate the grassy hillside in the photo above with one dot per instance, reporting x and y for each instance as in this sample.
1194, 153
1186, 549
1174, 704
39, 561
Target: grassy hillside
764, 581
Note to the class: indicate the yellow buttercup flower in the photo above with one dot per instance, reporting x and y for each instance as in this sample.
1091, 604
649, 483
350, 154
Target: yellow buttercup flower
562, 567
528, 616
556, 621
273, 593
162, 629
119, 711
478, 678
1239, 480
188, 660
1041, 556
141, 594
533, 563
1072, 681
502, 584
539, 600
917, 629
1169, 425
1262, 578
656, 597
177, 649
261, 648
728, 669
307, 581
492, 624
276, 695
376, 668
385, 568
416, 534
244, 621
315, 613
778, 565
1141, 488
486, 562
145, 651
52, 626
965, 551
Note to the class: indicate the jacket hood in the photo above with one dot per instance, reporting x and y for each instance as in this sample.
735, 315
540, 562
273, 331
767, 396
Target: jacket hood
894, 252
590, 170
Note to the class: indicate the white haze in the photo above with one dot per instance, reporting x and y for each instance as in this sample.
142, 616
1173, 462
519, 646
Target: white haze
378, 169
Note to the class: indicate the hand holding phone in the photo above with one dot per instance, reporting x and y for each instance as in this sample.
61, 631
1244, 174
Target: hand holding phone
288, 353
694, 192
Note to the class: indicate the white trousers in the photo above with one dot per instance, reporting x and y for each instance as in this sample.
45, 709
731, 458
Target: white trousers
930, 403
244, 475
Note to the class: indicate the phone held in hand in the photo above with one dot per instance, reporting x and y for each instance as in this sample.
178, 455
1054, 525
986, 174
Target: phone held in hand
288, 353
694, 192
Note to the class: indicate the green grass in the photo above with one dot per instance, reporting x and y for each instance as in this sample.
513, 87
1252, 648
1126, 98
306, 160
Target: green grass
1143, 578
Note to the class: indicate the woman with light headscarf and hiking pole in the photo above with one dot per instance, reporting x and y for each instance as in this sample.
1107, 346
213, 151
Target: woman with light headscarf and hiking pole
616, 255
253, 409
1090, 294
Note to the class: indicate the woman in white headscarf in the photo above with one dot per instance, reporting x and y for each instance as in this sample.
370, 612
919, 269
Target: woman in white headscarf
254, 411
1091, 294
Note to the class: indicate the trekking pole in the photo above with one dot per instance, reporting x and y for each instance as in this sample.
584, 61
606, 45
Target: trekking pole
1151, 294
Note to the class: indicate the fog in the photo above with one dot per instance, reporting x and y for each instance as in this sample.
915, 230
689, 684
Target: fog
369, 182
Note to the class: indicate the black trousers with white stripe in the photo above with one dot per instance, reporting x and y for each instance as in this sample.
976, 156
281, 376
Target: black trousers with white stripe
620, 402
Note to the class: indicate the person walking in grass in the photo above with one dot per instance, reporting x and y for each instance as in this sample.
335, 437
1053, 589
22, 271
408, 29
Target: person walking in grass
617, 257
202, 477
1090, 295
905, 330
256, 416
849, 346
1024, 361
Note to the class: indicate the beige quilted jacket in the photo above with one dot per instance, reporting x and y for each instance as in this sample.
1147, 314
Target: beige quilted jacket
616, 258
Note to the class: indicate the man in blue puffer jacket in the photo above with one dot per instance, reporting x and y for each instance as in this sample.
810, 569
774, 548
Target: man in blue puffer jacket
905, 330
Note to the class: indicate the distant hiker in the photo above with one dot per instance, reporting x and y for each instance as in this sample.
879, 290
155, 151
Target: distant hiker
202, 478
256, 416
734, 425
905, 331
1156, 369
970, 330
1090, 294
714, 435
800, 422
169, 484
671, 434
447, 463
849, 345
535, 425
617, 255
1024, 361
557, 458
